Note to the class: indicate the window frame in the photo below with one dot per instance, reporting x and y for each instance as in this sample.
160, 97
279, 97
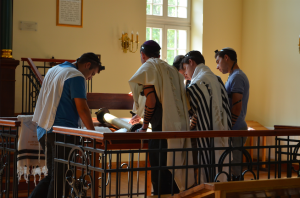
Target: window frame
164, 19
166, 23
164, 47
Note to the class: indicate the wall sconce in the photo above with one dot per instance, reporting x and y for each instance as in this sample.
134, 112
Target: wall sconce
127, 44
299, 44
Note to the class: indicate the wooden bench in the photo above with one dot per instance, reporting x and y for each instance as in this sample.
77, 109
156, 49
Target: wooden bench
287, 187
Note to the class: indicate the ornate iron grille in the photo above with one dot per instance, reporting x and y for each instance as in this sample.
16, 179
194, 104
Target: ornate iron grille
94, 158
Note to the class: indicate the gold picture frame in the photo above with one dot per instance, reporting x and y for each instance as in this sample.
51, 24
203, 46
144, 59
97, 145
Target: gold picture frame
69, 13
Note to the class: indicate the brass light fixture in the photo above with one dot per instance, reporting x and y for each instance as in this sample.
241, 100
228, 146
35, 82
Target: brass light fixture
299, 44
127, 43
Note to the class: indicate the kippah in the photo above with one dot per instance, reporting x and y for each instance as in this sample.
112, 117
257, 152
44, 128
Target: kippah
152, 44
227, 48
194, 53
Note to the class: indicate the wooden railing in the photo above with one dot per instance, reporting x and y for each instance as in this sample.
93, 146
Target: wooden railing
103, 146
35, 69
174, 134
8, 157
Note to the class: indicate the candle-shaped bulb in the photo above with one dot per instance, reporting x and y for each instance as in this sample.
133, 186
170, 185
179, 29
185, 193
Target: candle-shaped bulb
299, 40
131, 35
137, 36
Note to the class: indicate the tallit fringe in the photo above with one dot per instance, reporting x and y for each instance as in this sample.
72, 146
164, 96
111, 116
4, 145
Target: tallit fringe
26, 173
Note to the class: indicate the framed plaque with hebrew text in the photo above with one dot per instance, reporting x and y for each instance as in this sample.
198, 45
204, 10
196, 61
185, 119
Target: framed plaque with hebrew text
69, 13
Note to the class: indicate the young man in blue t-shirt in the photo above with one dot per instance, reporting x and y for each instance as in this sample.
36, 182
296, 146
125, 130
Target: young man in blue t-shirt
61, 102
237, 87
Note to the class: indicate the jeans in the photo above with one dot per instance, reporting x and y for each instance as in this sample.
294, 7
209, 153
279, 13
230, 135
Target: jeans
45, 187
236, 154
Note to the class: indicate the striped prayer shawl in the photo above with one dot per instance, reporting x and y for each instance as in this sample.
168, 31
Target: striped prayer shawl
201, 104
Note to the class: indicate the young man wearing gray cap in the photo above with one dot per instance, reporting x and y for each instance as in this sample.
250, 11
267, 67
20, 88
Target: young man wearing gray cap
210, 108
61, 102
237, 88
166, 109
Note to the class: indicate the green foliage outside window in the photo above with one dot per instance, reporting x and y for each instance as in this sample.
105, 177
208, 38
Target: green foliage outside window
156, 35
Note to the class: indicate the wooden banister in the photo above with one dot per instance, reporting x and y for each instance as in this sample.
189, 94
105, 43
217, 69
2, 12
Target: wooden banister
109, 101
285, 127
49, 60
9, 122
172, 134
34, 69
244, 189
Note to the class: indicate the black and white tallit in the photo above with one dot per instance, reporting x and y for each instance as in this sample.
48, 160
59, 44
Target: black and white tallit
209, 101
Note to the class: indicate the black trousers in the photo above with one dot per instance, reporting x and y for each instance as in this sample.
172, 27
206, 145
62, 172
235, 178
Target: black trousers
165, 175
45, 188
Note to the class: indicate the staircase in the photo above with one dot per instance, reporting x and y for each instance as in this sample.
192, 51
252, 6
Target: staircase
33, 72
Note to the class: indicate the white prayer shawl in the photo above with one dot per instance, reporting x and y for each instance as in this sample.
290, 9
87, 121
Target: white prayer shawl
50, 94
169, 87
207, 93
29, 150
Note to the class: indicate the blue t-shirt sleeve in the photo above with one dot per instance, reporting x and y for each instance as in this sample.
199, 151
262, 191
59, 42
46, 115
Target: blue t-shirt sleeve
237, 84
77, 87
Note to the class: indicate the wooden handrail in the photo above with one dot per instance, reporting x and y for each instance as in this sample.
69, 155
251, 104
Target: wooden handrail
172, 134
11, 122
225, 189
79, 132
34, 69
48, 60
285, 127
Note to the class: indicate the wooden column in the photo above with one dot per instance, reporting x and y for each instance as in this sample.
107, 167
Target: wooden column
7, 86
7, 63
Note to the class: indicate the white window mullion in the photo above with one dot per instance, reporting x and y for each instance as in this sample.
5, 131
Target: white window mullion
164, 47
165, 8
175, 43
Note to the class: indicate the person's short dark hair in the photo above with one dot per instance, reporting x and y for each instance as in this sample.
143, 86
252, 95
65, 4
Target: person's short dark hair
150, 49
177, 61
93, 59
195, 56
226, 51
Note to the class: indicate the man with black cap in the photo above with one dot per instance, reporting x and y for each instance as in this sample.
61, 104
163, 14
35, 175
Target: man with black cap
237, 88
209, 104
62, 102
166, 109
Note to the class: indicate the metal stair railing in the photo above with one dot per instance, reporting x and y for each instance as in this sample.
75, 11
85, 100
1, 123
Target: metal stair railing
32, 79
